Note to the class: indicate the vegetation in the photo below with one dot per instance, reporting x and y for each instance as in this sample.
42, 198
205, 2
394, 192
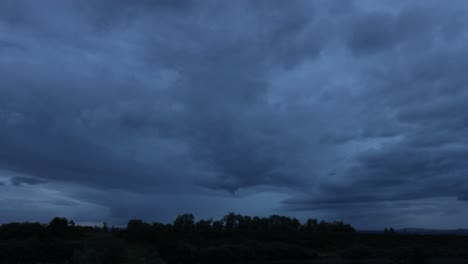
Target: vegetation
233, 239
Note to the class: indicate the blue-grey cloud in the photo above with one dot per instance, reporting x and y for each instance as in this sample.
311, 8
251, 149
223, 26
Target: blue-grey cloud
17, 181
348, 110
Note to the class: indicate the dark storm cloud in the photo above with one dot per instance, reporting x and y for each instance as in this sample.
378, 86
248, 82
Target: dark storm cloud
350, 111
372, 33
428, 153
17, 181
376, 31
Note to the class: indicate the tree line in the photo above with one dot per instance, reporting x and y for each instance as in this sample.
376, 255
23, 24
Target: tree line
233, 223
234, 238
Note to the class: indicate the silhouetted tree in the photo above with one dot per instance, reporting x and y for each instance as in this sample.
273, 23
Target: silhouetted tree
137, 230
230, 222
244, 222
185, 223
204, 225
59, 226
311, 224
233, 239
217, 226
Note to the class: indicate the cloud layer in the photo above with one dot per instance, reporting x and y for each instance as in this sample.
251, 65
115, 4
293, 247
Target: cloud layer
352, 110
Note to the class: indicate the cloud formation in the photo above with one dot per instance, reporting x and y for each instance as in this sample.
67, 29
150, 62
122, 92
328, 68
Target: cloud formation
349, 110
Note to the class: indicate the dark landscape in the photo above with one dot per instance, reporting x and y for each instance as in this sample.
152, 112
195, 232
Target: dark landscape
233, 131
233, 239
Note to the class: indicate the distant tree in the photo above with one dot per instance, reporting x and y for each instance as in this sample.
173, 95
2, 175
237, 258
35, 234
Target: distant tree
311, 225
204, 225
217, 226
259, 224
160, 227
244, 222
283, 223
137, 230
59, 226
185, 222
233, 239
230, 221
295, 224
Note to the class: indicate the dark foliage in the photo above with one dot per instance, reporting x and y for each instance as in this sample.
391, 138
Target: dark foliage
233, 239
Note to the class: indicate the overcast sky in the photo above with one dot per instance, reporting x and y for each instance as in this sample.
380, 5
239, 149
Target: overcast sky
337, 110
